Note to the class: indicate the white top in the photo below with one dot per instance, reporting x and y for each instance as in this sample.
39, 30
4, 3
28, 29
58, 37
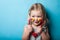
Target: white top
38, 37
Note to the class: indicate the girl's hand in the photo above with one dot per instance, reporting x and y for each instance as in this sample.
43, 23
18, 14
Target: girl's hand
28, 29
45, 36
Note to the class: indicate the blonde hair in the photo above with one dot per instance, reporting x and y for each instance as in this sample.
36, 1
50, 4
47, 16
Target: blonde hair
38, 6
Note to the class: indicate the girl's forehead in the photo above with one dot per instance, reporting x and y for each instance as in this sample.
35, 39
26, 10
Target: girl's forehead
36, 12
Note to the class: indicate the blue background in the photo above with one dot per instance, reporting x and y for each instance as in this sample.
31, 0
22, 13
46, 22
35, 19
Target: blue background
14, 13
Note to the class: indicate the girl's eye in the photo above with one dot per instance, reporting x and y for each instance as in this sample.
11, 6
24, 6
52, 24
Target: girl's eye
38, 16
33, 16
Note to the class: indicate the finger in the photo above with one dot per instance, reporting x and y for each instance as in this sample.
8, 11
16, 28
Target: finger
41, 22
29, 21
29, 26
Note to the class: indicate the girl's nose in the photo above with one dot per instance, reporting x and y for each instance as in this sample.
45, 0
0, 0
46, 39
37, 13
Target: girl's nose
36, 19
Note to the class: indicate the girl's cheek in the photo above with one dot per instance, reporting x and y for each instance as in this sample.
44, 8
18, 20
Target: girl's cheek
39, 19
32, 19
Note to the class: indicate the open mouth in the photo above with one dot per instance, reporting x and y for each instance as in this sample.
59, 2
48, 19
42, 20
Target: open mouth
36, 22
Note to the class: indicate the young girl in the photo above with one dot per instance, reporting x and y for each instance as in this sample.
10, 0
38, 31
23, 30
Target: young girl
36, 29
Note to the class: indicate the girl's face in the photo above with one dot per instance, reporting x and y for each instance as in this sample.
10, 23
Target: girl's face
36, 16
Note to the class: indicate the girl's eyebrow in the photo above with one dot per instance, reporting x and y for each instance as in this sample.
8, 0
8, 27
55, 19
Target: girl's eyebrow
39, 16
